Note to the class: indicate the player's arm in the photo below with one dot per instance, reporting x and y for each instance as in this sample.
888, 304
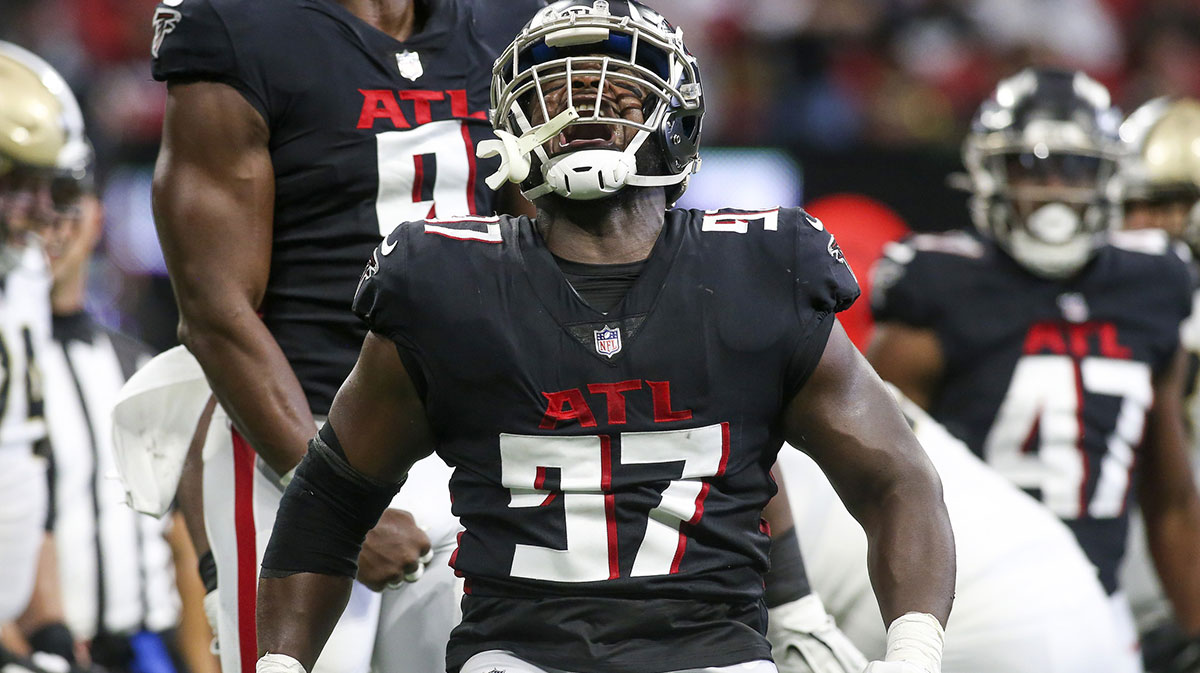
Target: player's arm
847, 421
214, 197
1168, 497
803, 636
910, 358
377, 429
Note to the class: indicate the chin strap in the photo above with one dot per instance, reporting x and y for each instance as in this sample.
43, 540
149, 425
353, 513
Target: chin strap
514, 152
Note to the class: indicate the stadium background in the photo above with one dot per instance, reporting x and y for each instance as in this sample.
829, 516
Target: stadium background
805, 98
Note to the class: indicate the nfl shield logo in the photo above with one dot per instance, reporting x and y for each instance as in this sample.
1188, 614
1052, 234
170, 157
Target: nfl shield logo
409, 63
608, 340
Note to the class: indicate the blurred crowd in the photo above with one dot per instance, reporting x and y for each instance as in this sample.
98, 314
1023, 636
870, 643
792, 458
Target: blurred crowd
830, 76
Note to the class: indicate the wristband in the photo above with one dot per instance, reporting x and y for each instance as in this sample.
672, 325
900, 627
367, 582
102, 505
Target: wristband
917, 638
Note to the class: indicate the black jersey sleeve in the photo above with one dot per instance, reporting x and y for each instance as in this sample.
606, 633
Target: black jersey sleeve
497, 22
201, 40
824, 286
381, 295
900, 289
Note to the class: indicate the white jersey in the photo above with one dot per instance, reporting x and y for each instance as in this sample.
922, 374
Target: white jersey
1027, 599
24, 336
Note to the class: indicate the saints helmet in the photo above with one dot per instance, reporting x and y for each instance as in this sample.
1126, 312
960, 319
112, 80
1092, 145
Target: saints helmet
42, 141
1162, 165
1041, 155
619, 43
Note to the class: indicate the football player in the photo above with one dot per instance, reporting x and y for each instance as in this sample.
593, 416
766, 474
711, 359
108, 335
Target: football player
296, 132
1159, 185
1049, 347
611, 382
1026, 598
40, 169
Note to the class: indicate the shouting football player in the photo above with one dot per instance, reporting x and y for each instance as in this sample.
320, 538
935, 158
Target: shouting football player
296, 133
1048, 344
611, 383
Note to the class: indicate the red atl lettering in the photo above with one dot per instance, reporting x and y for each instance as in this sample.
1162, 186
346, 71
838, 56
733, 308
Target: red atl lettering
661, 392
380, 104
459, 107
615, 392
1044, 337
566, 405
421, 100
1076, 340
570, 405
385, 104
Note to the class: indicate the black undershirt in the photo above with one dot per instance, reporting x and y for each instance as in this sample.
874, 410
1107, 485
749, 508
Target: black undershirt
602, 286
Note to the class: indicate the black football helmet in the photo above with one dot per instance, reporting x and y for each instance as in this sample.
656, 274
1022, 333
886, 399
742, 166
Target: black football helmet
620, 42
1041, 155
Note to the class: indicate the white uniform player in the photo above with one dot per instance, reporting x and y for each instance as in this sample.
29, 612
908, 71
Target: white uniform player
1027, 600
1159, 186
36, 156
24, 334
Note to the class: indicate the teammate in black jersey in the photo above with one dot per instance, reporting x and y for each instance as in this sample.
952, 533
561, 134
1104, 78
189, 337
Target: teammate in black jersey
1050, 345
296, 132
611, 439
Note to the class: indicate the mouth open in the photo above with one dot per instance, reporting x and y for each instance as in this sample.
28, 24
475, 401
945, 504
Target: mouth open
588, 136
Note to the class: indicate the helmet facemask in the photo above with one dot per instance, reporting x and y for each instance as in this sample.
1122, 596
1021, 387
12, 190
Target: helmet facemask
614, 100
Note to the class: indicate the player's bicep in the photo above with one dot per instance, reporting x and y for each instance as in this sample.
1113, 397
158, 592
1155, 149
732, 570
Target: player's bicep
214, 193
910, 358
378, 414
847, 421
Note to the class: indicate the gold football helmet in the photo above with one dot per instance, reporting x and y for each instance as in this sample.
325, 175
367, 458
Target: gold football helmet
45, 158
1160, 176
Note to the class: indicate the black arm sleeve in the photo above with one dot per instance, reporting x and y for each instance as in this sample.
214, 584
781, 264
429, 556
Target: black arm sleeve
325, 514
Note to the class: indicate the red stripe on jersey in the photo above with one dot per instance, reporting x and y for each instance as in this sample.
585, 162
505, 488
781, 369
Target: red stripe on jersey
418, 177
247, 554
610, 506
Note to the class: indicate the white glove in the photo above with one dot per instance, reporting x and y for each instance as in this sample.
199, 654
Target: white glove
212, 608
805, 639
893, 667
278, 663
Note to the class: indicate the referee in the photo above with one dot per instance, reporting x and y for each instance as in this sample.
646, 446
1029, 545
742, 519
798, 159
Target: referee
115, 565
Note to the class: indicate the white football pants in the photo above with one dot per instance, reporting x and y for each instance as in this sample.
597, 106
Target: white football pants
399, 631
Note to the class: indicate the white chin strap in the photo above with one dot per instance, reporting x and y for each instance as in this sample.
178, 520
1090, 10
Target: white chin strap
583, 175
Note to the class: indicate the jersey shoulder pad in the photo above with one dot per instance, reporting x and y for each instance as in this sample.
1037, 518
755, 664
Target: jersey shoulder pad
1144, 241
495, 24
824, 280
907, 281
473, 228
958, 243
228, 41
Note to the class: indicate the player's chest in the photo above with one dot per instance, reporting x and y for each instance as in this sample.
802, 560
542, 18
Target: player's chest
1007, 322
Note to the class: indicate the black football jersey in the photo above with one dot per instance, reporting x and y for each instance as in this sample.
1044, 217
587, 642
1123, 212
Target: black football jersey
1048, 381
610, 459
365, 132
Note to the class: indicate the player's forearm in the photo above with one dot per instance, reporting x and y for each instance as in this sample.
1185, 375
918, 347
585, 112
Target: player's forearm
910, 554
297, 613
1173, 536
253, 381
